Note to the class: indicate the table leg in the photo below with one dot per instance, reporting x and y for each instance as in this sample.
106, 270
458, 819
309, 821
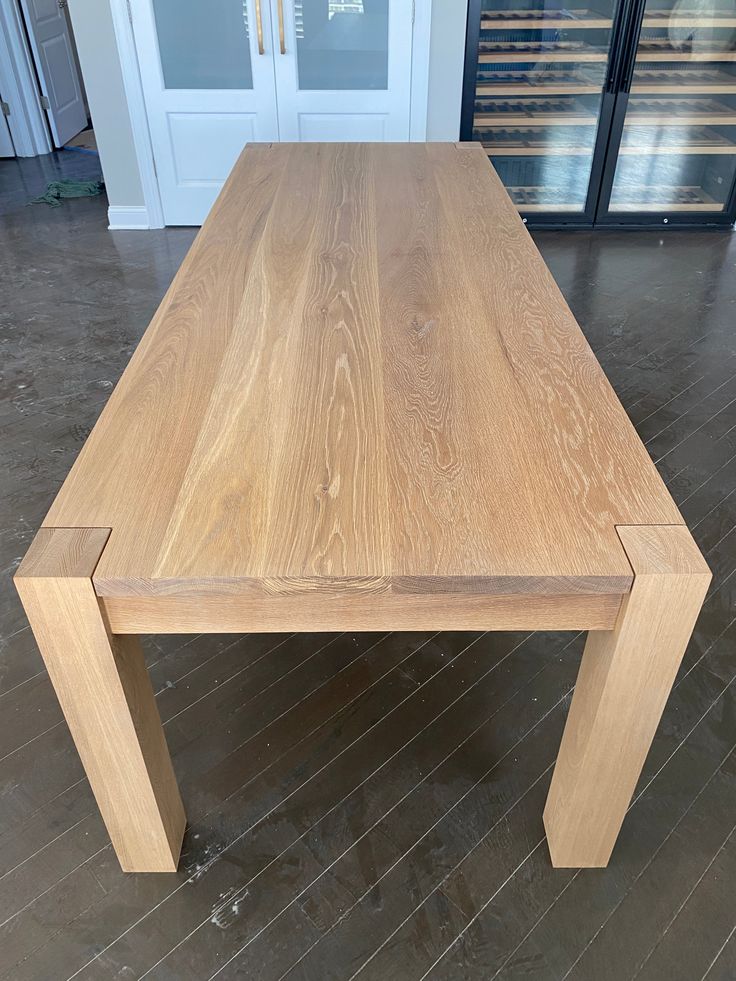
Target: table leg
103, 686
625, 677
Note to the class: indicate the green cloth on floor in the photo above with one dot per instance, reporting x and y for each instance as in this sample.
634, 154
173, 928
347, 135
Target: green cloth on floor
69, 189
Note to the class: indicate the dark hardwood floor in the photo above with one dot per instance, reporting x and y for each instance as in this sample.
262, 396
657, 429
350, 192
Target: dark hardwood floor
366, 805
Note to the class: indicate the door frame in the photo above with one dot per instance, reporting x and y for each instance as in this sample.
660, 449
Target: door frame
27, 123
123, 26
133, 86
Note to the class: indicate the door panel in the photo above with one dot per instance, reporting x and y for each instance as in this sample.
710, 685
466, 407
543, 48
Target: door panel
676, 136
344, 68
63, 90
337, 127
208, 90
535, 99
204, 144
48, 33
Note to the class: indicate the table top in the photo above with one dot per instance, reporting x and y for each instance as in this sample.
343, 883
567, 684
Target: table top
363, 378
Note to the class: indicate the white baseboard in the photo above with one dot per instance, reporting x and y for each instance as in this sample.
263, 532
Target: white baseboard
127, 217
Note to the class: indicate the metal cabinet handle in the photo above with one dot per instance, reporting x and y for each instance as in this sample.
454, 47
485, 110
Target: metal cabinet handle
282, 41
259, 28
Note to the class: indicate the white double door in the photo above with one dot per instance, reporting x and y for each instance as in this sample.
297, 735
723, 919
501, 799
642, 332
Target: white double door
219, 74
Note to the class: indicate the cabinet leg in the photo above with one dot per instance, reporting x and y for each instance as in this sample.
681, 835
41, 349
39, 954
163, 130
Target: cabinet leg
624, 681
105, 693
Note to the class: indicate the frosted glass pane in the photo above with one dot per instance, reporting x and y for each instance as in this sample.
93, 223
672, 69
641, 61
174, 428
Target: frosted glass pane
204, 45
342, 44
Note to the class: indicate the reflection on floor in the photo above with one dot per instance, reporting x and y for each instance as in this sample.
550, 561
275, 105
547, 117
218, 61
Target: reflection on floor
359, 803
24, 178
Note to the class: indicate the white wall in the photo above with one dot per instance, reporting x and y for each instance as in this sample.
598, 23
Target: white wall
446, 57
98, 55
103, 80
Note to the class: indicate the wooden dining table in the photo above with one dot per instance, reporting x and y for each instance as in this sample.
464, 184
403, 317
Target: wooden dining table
363, 404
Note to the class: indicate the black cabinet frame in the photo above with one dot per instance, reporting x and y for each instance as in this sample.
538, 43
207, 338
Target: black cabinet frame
625, 32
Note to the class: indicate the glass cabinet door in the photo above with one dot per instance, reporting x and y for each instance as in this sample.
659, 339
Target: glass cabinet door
538, 94
678, 143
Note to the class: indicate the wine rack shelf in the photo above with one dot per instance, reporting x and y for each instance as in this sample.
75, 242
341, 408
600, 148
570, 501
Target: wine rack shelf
684, 18
507, 52
672, 112
656, 141
660, 49
534, 141
684, 81
679, 198
520, 112
650, 49
538, 83
679, 112
529, 198
542, 20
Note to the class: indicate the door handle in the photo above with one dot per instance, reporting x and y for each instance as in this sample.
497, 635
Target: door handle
621, 15
632, 45
282, 40
259, 28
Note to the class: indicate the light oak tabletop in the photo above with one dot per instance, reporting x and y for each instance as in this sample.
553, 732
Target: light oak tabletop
363, 378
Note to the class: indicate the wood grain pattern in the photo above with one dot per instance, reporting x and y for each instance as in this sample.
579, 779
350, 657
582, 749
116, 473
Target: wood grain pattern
102, 684
624, 680
320, 611
363, 373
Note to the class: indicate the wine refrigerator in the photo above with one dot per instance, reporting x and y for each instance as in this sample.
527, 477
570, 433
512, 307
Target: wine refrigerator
620, 115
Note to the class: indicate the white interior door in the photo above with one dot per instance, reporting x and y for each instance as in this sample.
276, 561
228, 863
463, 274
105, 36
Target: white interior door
6, 143
48, 33
208, 84
343, 69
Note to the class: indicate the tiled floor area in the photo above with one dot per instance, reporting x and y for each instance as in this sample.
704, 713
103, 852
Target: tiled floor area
366, 805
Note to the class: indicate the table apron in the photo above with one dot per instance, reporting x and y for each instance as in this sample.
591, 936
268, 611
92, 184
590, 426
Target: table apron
210, 613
